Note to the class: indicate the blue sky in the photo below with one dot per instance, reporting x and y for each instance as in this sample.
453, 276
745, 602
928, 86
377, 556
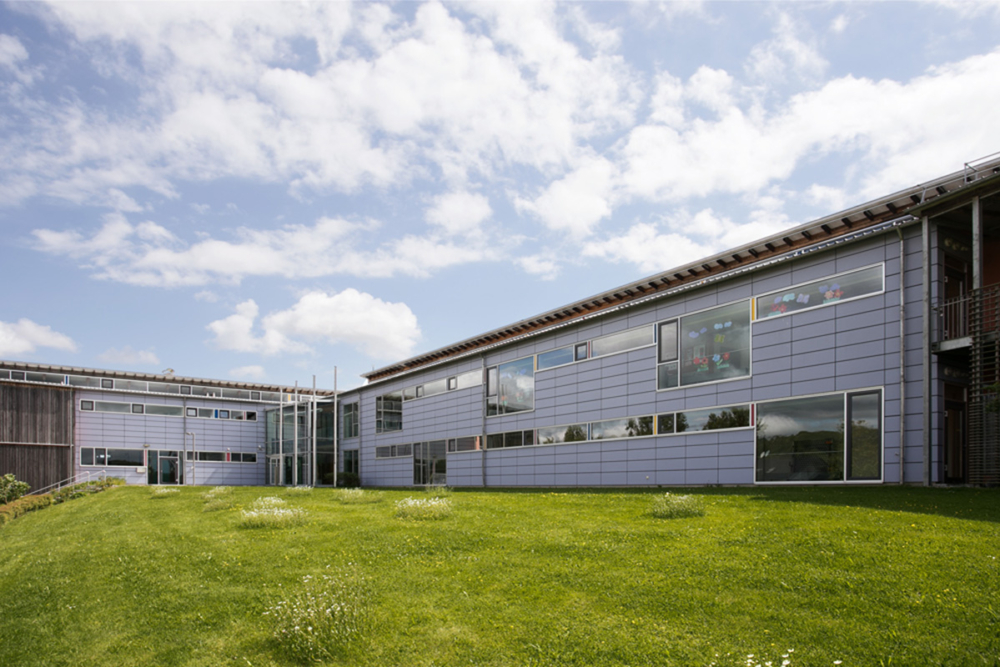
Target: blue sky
266, 191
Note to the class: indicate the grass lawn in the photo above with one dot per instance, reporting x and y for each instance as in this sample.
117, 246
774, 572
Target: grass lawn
867, 576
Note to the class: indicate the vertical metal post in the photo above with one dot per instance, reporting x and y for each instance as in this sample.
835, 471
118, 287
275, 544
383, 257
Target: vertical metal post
977, 243
336, 432
295, 436
194, 459
482, 427
281, 440
312, 477
902, 353
926, 348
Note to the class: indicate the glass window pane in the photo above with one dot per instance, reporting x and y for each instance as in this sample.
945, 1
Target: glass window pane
622, 341
87, 405
249, 458
215, 457
468, 444
517, 386
251, 416
582, 350
165, 410
81, 381
107, 384
494, 441
801, 439
558, 357
556, 434
185, 390
452, 384
629, 427
666, 375
192, 412
404, 450
491, 407
529, 438
864, 446
125, 457
206, 413
137, 409
100, 456
715, 344
87, 456
513, 439
470, 379
164, 388
436, 387
665, 424
821, 292
109, 406
668, 341
713, 419
491, 381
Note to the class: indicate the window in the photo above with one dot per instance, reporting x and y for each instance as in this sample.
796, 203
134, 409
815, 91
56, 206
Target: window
803, 439
452, 384
831, 290
582, 351
249, 457
514, 387
351, 461
553, 358
630, 427
86, 456
350, 411
86, 405
469, 379
223, 414
107, 384
622, 341
163, 388
467, 444
213, 457
112, 457
19, 375
109, 406
711, 345
393, 451
251, 416
712, 419
255, 396
138, 408
192, 412
664, 424
164, 410
389, 412
554, 435
185, 390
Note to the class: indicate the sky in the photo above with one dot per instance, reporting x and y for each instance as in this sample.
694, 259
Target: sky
266, 192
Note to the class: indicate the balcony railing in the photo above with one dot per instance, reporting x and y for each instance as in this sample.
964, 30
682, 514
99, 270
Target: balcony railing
975, 312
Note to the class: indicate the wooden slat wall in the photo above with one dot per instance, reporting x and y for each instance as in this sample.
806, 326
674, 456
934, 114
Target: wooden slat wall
38, 465
36, 415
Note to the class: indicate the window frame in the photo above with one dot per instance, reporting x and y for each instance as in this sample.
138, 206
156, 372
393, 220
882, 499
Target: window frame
768, 295
751, 304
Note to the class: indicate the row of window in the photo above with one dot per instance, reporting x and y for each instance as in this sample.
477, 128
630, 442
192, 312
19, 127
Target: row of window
166, 410
88, 381
389, 407
707, 346
136, 458
352, 427
710, 419
472, 443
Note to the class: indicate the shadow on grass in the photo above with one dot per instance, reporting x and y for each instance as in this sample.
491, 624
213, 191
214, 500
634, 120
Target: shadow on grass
974, 504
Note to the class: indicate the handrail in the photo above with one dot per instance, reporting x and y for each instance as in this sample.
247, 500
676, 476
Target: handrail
69, 481
955, 315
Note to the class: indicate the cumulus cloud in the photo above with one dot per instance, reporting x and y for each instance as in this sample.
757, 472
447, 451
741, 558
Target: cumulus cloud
459, 212
577, 202
12, 51
148, 254
376, 328
128, 357
25, 336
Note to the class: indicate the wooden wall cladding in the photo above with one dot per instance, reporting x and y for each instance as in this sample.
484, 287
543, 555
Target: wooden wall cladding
36, 415
38, 465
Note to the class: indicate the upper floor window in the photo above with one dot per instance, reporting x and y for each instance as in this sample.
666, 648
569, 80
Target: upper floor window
350, 420
842, 287
389, 412
510, 387
704, 347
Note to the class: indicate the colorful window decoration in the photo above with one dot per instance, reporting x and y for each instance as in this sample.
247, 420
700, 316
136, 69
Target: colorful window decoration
852, 285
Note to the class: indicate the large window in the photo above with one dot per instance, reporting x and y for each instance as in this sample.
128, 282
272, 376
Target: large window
821, 292
708, 346
350, 420
389, 412
622, 341
820, 439
510, 387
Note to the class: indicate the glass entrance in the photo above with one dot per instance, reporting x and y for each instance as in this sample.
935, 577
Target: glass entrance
162, 467
430, 463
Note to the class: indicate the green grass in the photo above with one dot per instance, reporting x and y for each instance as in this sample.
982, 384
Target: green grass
869, 576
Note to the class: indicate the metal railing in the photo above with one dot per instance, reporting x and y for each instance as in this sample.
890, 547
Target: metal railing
975, 311
69, 481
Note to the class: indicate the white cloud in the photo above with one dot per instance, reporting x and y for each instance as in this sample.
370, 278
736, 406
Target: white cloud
683, 238
459, 212
376, 328
25, 336
830, 198
786, 55
579, 201
248, 373
12, 51
839, 24
126, 356
540, 265
150, 255
208, 296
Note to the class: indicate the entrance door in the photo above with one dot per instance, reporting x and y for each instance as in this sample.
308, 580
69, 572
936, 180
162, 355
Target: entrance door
273, 470
170, 470
430, 464
955, 434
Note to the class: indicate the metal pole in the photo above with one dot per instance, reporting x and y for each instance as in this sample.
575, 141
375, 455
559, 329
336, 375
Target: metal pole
977, 243
926, 345
295, 438
187, 433
902, 354
314, 406
336, 440
281, 441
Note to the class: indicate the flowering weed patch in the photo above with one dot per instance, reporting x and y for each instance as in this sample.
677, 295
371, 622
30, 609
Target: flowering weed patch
298, 490
319, 619
423, 509
164, 492
676, 506
271, 512
218, 498
356, 496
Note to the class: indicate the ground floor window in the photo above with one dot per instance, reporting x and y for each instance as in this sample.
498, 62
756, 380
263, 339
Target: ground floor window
835, 437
